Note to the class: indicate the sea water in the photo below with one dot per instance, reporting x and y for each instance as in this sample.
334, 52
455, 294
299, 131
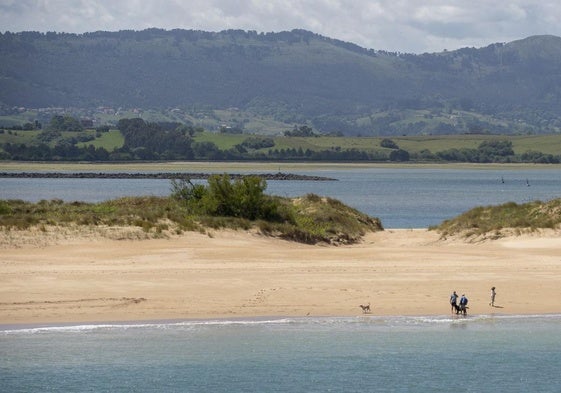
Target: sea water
401, 197
483, 353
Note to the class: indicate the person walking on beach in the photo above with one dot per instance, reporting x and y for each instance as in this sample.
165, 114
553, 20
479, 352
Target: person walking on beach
454, 302
493, 294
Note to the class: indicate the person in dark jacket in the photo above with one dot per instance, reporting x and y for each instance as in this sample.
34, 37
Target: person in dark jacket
454, 302
463, 304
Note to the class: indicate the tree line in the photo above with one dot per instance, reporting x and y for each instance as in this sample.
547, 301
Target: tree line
175, 141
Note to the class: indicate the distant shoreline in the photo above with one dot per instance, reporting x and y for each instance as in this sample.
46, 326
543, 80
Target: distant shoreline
242, 166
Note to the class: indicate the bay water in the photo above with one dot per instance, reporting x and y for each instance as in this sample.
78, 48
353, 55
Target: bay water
400, 197
483, 353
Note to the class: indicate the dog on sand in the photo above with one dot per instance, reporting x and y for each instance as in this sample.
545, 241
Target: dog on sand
365, 309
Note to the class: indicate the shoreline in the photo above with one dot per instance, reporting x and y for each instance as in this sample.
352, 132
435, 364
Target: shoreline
231, 275
264, 320
226, 166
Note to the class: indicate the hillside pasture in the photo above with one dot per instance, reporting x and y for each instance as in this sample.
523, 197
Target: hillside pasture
546, 144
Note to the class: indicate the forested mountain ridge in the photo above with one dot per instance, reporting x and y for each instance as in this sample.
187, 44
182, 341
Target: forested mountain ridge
295, 77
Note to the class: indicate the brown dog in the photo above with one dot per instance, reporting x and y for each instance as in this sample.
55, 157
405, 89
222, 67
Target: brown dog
365, 309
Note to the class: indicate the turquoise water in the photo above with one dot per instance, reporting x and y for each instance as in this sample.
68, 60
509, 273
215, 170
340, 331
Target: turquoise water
400, 197
365, 354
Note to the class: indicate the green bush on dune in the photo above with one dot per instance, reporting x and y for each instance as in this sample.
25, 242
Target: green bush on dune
222, 203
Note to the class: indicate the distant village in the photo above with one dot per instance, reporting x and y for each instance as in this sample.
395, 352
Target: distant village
107, 115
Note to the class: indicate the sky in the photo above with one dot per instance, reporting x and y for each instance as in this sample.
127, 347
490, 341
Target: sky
411, 26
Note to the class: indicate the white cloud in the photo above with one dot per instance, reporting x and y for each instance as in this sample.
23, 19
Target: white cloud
394, 25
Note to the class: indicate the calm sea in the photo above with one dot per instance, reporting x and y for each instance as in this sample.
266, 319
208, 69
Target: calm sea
374, 354
400, 197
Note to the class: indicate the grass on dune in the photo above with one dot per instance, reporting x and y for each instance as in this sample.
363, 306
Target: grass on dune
310, 219
494, 220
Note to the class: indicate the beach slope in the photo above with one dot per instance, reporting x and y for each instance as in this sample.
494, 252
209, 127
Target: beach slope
237, 274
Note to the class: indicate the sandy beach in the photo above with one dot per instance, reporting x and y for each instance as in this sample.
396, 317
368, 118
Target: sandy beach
228, 274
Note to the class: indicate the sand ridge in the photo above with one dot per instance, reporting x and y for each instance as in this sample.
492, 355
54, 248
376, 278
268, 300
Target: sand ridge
228, 274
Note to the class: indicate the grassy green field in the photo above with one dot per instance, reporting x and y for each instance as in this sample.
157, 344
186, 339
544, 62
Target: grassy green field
223, 141
547, 144
108, 140
26, 137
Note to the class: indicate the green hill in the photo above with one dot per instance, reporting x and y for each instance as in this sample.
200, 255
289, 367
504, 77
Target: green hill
273, 80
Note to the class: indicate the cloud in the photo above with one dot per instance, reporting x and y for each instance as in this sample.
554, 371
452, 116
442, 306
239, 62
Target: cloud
394, 25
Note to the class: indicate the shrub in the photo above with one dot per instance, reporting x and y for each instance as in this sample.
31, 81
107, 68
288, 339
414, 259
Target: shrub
244, 198
399, 155
389, 144
5, 208
184, 190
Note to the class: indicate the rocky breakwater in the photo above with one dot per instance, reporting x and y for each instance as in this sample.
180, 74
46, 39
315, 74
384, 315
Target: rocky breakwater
154, 175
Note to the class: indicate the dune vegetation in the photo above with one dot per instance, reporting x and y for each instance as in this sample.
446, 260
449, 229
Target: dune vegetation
222, 203
508, 218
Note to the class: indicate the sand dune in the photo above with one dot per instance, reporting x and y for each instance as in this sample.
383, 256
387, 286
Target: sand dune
238, 274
